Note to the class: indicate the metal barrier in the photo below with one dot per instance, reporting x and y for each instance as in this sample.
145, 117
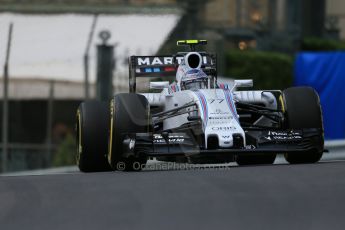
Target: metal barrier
28, 156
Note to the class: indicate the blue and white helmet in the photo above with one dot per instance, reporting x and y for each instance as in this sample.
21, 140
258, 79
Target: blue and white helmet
190, 75
194, 79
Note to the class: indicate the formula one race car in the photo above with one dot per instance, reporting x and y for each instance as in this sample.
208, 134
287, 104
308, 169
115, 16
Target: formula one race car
196, 119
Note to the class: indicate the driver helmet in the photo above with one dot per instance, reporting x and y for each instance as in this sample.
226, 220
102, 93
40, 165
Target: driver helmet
194, 79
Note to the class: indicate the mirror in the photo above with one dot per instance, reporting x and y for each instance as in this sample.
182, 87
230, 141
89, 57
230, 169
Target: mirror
159, 84
243, 83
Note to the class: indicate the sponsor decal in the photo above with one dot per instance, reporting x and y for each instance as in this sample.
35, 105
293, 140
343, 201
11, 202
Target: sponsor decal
142, 61
179, 60
219, 101
225, 128
220, 118
171, 140
155, 61
157, 138
151, 61
283, 135
148, 70
169, 69
219, 112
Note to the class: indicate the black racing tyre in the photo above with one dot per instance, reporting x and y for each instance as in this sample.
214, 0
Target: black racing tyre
92, 136
303, 110
129, 113
256, 159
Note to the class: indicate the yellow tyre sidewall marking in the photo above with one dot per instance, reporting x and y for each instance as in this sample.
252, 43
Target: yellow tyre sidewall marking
282, 103
148, 118
112, 112
281, 100
283, 109
80, 147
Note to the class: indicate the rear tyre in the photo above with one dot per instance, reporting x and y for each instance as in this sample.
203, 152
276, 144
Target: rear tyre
256, 159
129, 113
303, 110
92, 136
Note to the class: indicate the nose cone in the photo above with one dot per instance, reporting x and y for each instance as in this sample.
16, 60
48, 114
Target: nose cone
224, 134
225, 140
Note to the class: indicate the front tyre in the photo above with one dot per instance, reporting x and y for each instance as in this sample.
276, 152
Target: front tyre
303, 110
92, 136
129, 114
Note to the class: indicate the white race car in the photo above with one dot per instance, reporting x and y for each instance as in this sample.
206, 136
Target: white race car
196, 119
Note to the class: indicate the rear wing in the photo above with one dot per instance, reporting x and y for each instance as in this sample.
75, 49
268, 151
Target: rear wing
164, 66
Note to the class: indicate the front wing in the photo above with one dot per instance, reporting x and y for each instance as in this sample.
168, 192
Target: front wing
184, 144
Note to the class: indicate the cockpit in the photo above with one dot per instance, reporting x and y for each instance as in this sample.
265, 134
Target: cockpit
195, 84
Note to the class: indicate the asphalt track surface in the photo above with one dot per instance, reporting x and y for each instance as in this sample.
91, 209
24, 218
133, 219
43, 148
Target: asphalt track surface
309, 196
